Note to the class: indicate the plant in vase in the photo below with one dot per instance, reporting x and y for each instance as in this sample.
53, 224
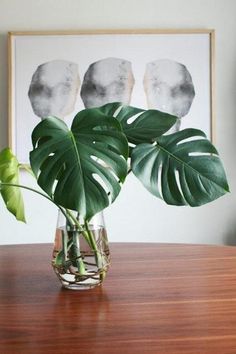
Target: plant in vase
81, 171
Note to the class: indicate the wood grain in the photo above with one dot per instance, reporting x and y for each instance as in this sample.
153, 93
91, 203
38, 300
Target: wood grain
157, 298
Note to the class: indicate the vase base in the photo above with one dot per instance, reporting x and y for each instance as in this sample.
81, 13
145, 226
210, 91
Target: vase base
87, 281
80, 287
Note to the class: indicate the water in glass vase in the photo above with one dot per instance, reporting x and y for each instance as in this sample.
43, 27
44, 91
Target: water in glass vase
81, 259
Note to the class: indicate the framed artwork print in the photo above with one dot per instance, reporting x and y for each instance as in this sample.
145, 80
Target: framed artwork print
61, 73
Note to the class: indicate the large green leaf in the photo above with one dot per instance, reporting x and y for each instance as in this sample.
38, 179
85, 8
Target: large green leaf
140, 126
81, 168
180, 170
9, 174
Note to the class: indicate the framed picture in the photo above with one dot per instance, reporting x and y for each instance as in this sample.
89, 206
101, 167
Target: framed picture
60, 73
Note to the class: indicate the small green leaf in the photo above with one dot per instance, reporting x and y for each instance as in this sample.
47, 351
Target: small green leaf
181, 171
9, 174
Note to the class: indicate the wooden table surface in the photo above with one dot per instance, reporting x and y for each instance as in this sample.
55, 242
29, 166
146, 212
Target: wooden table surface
157, 298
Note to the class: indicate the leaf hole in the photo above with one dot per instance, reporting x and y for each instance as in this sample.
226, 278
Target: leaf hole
159, 184
133, 118
102, 183
99, 161
94, 158
192, 138
117, 111
114, 175
195, 153
132, 145
177, 178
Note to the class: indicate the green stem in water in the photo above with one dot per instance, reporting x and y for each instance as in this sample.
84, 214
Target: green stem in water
98, 255
80, 227
75, 221
77, 255
64, 244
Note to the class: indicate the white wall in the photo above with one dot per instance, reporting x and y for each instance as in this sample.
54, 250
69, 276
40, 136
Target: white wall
136, 216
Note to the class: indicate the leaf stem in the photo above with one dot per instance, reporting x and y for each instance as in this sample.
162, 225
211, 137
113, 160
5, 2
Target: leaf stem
80, 227
98, 255
38, 192
76, 250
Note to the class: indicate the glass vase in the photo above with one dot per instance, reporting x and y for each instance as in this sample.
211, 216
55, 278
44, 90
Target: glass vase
81, 253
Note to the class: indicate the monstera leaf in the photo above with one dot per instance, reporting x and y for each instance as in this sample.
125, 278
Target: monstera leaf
140, 126
181, 171
9, 174
81, 168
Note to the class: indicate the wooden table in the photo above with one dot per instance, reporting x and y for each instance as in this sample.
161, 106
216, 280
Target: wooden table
157, 298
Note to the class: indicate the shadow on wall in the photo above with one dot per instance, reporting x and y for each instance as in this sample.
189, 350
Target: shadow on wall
3, 90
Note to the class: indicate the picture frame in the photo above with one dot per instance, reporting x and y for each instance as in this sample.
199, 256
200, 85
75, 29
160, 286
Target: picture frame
186, 55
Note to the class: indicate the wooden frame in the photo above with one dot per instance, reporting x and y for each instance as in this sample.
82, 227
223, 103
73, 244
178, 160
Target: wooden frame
21, 57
